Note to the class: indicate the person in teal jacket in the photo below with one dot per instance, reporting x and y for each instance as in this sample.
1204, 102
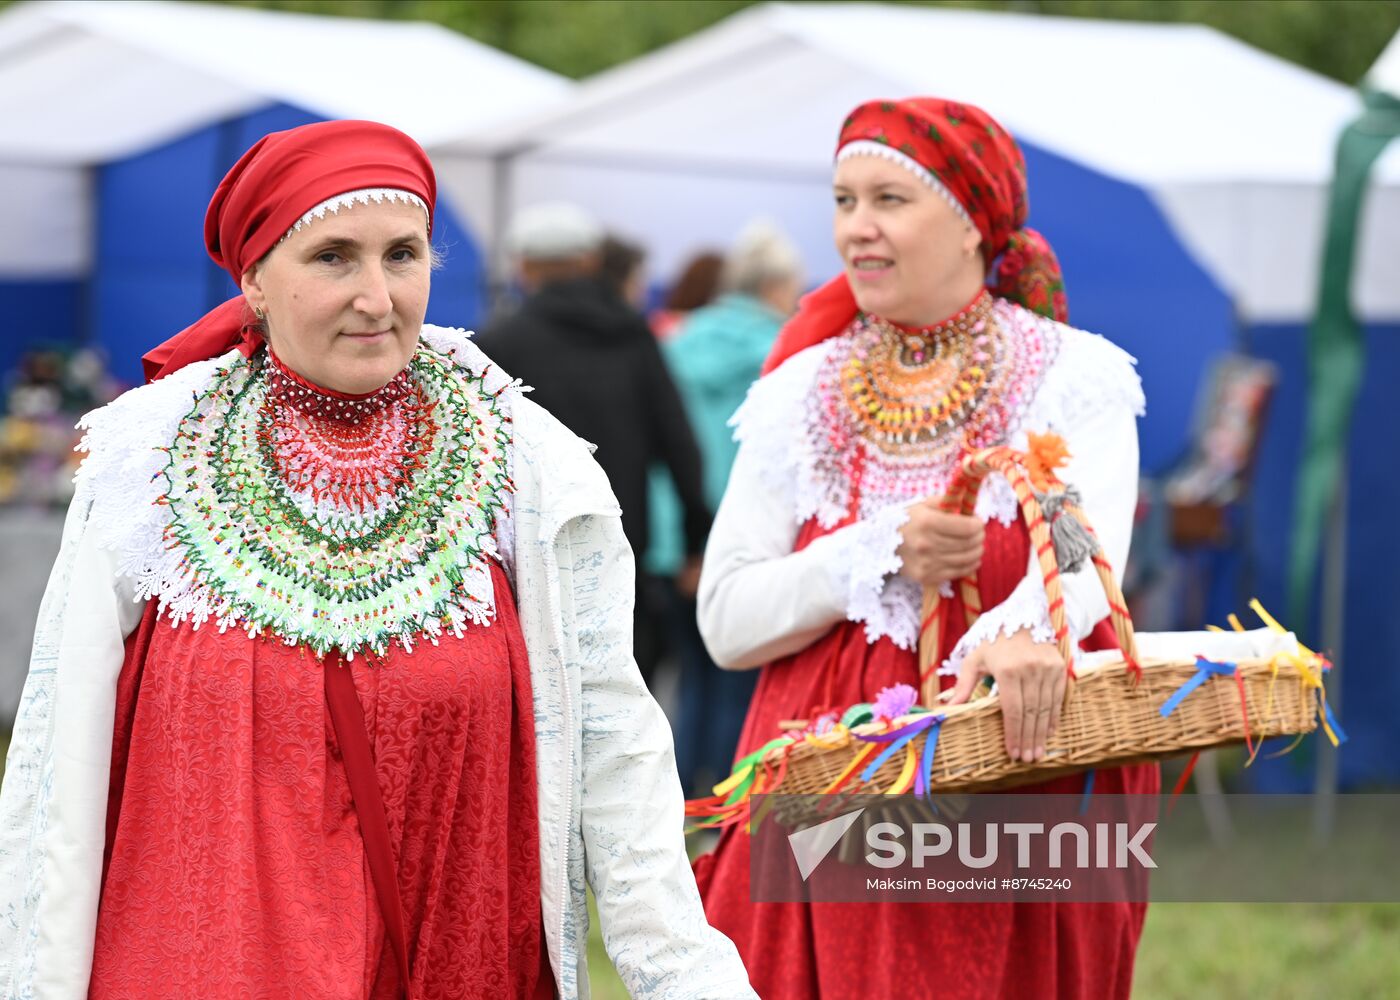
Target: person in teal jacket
713, 360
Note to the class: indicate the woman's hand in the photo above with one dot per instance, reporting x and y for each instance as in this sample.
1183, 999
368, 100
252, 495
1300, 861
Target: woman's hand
939, 546
1031, 680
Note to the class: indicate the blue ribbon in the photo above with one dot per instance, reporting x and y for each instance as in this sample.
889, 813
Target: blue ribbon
923, 779
1088, 790
1205, 669
897, 740
885, 755
1332, 719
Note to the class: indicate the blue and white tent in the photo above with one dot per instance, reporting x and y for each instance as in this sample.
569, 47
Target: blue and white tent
1181, 175
120, 118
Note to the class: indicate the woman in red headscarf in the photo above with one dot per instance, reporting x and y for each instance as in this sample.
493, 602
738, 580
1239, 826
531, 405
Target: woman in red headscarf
332, 693
944, 334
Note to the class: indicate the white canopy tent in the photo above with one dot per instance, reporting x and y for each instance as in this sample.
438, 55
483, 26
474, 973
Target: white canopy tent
84, 83
683, 146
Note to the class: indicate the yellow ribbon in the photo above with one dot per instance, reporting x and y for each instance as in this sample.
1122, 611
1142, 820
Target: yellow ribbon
836, 738
856, 762
906, 776
1304, 662
733, 781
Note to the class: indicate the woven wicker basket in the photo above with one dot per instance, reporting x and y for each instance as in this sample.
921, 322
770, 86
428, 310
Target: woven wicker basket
1112, 713
1110, 720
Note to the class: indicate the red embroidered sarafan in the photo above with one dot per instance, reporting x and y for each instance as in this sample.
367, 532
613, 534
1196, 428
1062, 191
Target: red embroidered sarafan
235, 866
957, 951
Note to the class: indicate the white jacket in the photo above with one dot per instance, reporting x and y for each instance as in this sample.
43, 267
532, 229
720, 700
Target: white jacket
610, 804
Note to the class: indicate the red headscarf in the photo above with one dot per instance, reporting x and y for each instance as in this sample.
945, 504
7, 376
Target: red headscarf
978, 165
281, 178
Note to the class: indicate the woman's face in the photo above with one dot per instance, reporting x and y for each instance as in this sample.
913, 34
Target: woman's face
343, 298
908, 256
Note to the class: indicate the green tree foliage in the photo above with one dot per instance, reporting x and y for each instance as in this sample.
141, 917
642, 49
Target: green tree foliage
1340, 38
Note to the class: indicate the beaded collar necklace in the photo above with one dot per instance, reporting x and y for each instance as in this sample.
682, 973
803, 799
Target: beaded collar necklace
336, 522
902, 385
894, 409
288, 388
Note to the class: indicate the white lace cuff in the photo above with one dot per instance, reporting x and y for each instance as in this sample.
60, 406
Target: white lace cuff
886, 603
1026, 608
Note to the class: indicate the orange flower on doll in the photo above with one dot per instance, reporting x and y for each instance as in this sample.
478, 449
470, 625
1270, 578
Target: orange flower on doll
1044, 454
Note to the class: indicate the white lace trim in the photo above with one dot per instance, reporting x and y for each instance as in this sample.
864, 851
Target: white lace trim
456, 343
1090, 375
868, 147
1026, 608
363, 196
996, 500
122, 471
768, 423
888, 604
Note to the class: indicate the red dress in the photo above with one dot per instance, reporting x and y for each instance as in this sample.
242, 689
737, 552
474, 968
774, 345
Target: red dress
235, 866
798, 951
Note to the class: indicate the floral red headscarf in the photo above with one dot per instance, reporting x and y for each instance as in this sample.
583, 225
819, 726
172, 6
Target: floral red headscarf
270, 190
969, 159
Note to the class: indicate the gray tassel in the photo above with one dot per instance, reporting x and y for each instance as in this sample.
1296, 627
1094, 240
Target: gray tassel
1074, 545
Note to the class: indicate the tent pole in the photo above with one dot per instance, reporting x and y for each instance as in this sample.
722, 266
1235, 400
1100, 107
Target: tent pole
1333, 625
89, 330
498, 267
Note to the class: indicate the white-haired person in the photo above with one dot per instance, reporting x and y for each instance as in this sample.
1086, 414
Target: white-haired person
714, 357
331, 693
591, 361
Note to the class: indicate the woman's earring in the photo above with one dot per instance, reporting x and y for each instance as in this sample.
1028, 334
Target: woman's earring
262, 316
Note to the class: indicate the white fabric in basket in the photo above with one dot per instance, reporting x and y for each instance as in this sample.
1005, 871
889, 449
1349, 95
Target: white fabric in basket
1224, 647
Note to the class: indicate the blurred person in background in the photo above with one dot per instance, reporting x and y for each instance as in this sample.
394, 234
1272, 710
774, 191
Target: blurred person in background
697, 286
944, 334
714, 358
331, 694
622, 267
594, 365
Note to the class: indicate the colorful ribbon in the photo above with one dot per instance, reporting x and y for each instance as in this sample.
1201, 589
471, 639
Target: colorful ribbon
1205, 669
1309, 664
1304, 660
730, 800
915, 772
923, 780
1181, 782
1088, 791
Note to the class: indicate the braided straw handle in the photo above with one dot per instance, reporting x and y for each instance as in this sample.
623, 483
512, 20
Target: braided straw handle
961, 498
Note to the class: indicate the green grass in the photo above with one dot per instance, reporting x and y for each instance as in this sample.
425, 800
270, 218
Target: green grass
1205, 951
1277, 950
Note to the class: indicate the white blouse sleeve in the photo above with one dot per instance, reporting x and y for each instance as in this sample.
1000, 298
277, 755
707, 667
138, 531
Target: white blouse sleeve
1093, 402
758, 598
